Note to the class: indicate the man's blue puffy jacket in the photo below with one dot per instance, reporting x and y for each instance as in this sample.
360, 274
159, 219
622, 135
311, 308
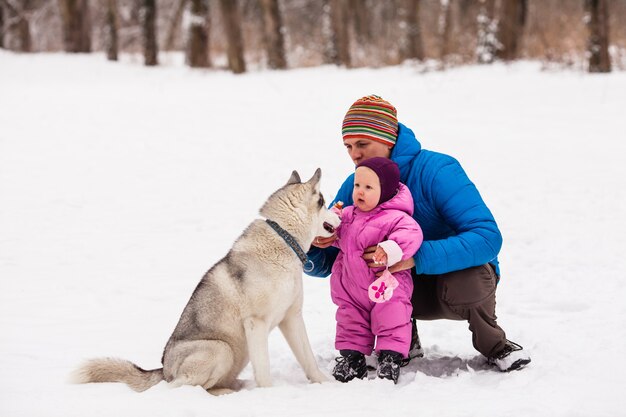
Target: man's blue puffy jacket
459, 229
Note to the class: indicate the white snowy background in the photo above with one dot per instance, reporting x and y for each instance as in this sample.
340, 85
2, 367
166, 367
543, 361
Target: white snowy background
121, 185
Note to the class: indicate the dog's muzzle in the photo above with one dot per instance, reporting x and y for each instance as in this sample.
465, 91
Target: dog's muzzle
329, 227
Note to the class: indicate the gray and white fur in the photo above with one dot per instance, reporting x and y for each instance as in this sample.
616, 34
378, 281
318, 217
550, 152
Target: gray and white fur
254, 288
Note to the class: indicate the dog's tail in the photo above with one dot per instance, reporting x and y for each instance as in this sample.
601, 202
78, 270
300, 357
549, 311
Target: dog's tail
116, 370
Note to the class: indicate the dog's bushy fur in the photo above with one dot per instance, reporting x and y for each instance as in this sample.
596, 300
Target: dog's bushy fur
254, 288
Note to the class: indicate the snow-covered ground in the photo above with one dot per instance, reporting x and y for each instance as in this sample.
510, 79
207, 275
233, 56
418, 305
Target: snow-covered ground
121, 185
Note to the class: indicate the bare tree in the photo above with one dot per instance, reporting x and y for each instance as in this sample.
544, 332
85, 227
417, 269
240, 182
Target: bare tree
17, 26
76, 25
148, 14
598, 41
336, 19
1, 25
273, 31
198, 38
510, 28
445, 28
111, 27
359, 9
232, 26
466, 7
341, 32
175, 25
414, 42
23, 29
466, 28
328, 36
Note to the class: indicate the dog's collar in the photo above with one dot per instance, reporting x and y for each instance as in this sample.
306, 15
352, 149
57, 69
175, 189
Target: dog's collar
307, 264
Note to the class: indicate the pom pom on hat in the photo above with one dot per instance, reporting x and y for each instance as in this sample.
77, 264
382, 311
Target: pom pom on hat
371, 117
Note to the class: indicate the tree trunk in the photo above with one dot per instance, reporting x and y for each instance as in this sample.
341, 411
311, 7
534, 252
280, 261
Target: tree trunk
232, 26
175, 25
148, 24
111, 44
17, 26
511, 28
445, 28
23, 30
414, 44
337, 43
198, 40
1, 25
487, 43
467, 21
76, 25
273, 28
329, 55
598, 41
362, 25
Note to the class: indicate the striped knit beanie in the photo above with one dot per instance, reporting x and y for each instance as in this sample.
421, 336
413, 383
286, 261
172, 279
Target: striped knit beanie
373, 118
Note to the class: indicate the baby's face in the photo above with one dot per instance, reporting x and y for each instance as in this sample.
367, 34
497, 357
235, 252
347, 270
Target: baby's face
366, 193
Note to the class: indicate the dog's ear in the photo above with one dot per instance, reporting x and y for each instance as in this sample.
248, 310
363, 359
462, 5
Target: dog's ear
315, 179
295, 178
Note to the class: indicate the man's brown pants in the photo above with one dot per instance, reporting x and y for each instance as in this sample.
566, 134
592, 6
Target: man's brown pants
469, 294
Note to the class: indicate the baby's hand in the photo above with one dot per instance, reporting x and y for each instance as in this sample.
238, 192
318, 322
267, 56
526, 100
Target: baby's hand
337, 208
380, 256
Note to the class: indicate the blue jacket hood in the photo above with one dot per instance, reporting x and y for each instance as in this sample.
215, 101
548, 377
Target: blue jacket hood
407, 147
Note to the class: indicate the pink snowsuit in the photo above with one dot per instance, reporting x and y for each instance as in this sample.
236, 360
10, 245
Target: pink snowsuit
360, 320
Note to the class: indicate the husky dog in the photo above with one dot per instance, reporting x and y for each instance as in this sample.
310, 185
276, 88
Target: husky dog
254, 288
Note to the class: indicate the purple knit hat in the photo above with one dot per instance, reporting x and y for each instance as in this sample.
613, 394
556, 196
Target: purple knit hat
388, 174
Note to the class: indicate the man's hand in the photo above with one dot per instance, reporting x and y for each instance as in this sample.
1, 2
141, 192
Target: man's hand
402, 265
368, 256
324, 242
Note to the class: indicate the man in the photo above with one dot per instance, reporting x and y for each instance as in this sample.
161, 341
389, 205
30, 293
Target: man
455, 271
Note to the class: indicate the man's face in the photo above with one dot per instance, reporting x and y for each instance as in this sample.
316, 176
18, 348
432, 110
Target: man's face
362, 149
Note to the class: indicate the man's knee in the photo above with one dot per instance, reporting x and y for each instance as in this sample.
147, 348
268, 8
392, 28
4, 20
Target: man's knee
468, 288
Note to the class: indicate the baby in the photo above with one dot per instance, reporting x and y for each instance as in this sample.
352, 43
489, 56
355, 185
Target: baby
368, 307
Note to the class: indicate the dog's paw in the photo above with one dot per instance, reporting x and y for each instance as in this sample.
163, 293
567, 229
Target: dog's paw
220, 391
263, 382
318, 377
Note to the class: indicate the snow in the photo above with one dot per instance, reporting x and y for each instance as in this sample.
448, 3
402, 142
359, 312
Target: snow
121, 185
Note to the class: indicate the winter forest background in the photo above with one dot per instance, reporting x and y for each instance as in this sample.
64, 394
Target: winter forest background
121, 184
244, 34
